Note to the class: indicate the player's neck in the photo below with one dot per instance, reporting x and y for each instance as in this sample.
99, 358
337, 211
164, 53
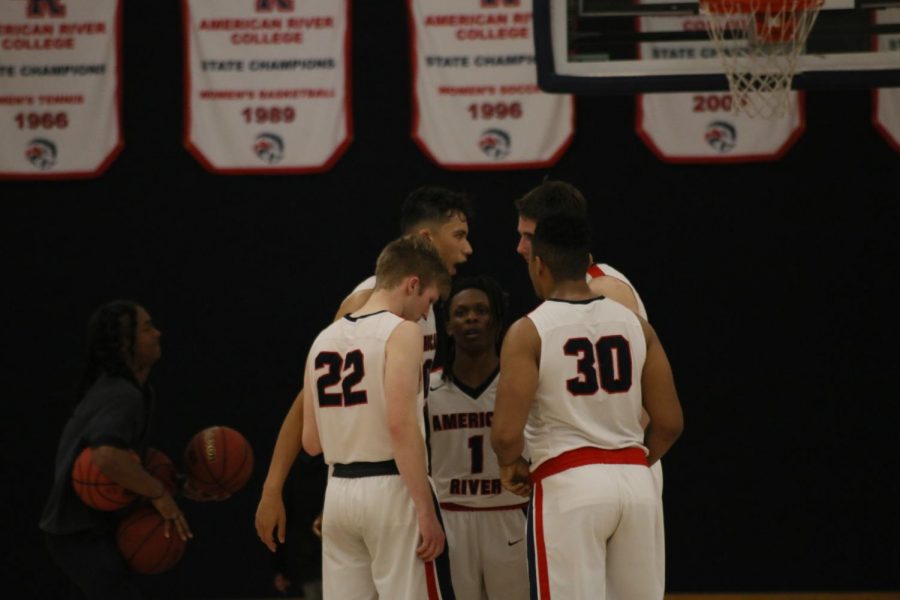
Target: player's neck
474, 369
571, 289
381, 300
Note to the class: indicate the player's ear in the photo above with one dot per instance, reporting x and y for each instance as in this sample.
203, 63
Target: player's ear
425, 233
413, 285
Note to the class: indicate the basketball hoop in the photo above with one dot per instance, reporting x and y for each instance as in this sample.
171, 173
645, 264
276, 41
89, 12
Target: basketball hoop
758, 42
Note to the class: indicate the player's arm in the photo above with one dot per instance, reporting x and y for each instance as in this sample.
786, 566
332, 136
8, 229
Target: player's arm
402, 370
660, 398
119, 466
615, 289
311, 442
519, 362
270, 513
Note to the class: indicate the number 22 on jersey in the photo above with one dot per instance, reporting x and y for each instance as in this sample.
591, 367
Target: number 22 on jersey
344, 373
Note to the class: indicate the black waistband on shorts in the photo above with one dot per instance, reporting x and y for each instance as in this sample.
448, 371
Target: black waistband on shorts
365, 469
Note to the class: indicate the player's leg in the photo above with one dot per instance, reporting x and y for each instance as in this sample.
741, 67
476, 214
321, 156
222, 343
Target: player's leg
463, 538
346, 563
392, 535
573, 514
635, 561
504, 562
94, 564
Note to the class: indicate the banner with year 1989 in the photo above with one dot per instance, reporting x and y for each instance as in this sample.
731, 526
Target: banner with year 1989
476, 102
60, 87
267, 84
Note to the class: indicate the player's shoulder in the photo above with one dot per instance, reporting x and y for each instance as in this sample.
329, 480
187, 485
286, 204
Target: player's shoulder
366, 284
436, 380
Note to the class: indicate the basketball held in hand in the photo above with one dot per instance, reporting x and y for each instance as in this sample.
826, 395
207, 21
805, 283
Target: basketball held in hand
161, 466
218, 461
141, 539
96, 489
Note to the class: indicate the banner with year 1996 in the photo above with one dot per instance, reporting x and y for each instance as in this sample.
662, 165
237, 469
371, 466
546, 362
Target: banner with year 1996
60, 87
476, 102
267, 82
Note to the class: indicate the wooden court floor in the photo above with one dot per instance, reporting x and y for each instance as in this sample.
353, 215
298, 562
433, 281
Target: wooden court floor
790, 596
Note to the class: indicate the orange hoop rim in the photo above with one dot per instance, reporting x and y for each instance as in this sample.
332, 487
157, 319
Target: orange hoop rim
759, 6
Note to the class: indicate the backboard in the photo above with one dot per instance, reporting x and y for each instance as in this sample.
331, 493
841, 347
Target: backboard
632, 46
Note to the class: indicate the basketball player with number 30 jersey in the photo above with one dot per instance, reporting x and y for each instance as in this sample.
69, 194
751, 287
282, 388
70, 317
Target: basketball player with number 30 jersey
381, 534
575, 374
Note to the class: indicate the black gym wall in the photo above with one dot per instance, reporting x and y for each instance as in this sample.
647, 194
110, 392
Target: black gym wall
772, 286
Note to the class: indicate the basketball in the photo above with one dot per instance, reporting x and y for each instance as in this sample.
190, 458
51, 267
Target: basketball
96, 489
141, 539
218, 460
161, 466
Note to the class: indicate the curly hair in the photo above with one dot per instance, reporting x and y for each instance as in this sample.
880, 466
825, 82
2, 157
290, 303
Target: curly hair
111, 333
499, 306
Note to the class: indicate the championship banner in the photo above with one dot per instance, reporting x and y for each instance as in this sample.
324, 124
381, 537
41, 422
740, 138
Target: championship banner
267, 84
700, 127
476, 102
886, 101
60, 88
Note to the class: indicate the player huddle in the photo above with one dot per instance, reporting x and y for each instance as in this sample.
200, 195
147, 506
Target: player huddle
537, 481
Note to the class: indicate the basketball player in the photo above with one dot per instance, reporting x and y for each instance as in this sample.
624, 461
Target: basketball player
485, 524
438, 215
559, 197
362, 407
112, 417
574, 375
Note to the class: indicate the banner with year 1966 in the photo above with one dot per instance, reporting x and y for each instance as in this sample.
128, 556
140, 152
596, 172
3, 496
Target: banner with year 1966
267, 84
60, 87
476, 102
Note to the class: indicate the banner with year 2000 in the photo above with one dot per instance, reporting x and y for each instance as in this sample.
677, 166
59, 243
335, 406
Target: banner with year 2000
60, 88
886, 101
702, 127
476, 102
266, 86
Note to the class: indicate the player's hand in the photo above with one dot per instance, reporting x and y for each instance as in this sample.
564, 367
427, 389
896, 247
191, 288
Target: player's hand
516, 477
431, 537
317, 526
189, 490
270, 519
175, 520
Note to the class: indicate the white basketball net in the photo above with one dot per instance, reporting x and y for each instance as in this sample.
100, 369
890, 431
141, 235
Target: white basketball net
758, 42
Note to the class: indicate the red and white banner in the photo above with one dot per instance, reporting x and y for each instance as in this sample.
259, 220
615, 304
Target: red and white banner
701, 127
476, 102
267, 84
886, 101
60, 87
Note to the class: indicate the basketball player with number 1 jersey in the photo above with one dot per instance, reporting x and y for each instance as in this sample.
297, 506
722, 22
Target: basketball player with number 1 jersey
485, 524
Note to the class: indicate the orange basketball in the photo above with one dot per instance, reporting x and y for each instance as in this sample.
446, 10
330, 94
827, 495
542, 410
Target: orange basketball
96, 489
141, 539
218, 460
161, 466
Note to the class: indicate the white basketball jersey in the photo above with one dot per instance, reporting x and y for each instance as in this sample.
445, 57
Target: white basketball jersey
601, 269
463, 466
429, 335
589, 384
346, 380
